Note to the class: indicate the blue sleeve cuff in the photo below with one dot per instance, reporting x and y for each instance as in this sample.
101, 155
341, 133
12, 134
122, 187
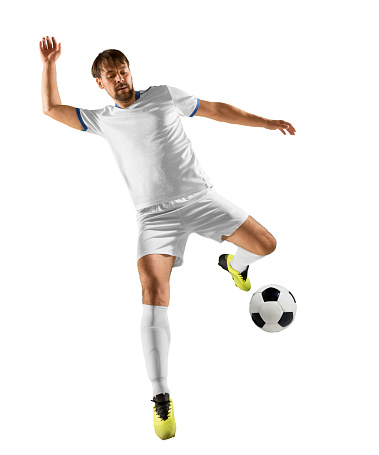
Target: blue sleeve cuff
81, 120
196, 108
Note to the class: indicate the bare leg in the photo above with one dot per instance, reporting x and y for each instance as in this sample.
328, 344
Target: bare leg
253, 237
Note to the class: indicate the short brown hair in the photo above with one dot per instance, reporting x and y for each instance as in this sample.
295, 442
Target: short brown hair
110, 57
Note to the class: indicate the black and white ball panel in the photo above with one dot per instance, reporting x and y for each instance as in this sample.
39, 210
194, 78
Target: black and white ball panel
276, 286
272, 308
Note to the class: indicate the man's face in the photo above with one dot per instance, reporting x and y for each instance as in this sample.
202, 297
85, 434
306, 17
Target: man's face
113, 79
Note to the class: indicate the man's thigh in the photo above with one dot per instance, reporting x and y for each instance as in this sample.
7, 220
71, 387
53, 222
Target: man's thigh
154, 271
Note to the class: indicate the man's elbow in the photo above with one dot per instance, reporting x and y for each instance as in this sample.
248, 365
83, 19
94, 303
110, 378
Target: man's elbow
46, 110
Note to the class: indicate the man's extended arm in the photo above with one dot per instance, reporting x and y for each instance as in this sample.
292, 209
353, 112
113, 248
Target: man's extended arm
231, 114
223, 112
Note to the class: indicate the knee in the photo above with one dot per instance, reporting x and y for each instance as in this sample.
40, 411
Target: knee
154, 293
269, 244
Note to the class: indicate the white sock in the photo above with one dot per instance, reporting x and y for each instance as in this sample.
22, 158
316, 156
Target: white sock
156, 337
243, 258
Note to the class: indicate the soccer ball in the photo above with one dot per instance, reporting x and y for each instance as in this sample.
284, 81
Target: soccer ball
272, 308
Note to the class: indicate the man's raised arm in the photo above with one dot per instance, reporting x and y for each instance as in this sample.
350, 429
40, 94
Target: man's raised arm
51, 101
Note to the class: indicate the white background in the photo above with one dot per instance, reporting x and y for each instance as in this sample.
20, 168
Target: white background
73, 377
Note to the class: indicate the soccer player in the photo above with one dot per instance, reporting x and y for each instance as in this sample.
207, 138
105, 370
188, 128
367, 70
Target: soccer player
172, 194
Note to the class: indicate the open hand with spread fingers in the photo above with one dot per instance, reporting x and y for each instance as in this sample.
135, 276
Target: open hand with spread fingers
49, 50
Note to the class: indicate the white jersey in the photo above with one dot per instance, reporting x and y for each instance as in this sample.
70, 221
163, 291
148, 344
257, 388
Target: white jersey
150, 145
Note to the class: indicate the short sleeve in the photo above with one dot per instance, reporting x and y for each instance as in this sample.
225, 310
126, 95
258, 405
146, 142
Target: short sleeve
187, 105
90, 120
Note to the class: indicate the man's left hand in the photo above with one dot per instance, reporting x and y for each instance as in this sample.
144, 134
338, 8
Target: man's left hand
280, 125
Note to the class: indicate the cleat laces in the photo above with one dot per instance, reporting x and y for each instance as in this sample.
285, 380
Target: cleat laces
162, 409
244, 274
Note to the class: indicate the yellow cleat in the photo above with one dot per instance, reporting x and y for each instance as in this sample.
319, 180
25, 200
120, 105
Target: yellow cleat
240, 278
163, 414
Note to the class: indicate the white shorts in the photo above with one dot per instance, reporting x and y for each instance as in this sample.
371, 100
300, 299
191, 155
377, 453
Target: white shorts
165, 228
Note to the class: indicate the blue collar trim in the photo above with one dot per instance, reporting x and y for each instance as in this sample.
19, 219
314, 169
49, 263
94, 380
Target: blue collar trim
137, 98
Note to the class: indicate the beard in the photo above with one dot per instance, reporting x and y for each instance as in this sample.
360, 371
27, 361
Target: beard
125, 95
